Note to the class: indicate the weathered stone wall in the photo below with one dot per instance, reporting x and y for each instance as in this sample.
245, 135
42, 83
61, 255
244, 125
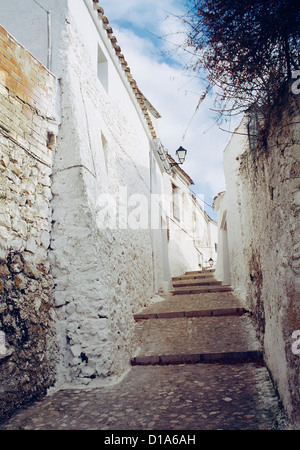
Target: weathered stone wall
27, 134
102, 274
271, 223
259, 216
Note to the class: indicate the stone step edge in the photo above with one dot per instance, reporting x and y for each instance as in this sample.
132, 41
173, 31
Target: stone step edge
194, 277
200, 272
201, 358
182, 291
190, 278
196, 283
194, 313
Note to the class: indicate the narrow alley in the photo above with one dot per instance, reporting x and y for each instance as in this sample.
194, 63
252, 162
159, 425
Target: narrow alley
198, 367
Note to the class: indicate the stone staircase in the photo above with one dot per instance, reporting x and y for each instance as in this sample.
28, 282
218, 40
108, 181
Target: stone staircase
198, 282
201, 321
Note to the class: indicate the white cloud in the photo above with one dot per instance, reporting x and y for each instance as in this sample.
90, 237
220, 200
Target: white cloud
169, 88
139, 13
175, 96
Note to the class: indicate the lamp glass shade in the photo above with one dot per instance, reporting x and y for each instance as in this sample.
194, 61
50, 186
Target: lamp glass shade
181, 154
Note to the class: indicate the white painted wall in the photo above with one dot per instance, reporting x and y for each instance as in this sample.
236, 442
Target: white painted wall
108, 260
260, 210
102, 274
158, 225
28, 23
231, 264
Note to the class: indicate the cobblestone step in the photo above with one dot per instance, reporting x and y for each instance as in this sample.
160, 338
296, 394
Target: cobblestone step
200, 272
192, 313
197, 358
199, 283
193, 373
179, 340
201, 289
194, 277
195, 282
194, 302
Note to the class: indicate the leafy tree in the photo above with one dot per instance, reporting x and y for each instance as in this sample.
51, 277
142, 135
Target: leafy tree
248, 48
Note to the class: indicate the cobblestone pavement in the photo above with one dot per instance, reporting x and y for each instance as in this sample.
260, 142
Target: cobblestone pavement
194, 302
180, 397
236, 396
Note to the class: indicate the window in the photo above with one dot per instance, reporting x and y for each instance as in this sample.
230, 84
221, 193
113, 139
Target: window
102, 69
176, 208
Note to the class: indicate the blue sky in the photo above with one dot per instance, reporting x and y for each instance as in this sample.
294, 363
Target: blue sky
149, 33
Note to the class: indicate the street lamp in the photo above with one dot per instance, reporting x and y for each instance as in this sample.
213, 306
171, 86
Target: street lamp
181, 155
210, 262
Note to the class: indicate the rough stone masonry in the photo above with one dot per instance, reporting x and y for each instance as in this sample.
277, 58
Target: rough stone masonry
27, 136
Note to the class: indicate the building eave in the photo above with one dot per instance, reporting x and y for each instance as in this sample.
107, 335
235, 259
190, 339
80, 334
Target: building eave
144, 104
180, 171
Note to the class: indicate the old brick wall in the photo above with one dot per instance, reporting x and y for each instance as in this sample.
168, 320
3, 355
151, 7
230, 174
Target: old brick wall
27, 135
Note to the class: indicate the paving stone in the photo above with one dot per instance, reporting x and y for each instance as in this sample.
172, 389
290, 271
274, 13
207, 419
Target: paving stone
190, 302
186, 397
195, 335
216, 390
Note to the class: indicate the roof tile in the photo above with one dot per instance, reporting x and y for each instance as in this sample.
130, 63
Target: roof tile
139, 96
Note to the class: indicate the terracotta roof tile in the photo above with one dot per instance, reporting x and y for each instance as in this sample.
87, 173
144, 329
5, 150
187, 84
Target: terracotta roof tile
143, 102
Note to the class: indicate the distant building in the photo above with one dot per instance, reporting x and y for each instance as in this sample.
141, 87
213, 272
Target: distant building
192, 233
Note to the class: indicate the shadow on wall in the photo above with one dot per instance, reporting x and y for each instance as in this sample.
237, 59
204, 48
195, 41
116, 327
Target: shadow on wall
179, 263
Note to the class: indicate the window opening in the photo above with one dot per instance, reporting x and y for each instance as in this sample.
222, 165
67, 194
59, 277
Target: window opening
176, 208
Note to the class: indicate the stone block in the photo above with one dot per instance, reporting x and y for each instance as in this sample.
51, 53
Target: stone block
60, 299
5, 220
4, 235
45, 239
76, 350
4, 272
145, 360
4, 161
88, 371
28, 187
31, 245
16, 264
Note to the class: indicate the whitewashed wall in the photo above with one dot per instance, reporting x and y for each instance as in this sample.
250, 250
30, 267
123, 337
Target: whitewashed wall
107, 272
260, 210
103, 272
231, 263
108, 259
